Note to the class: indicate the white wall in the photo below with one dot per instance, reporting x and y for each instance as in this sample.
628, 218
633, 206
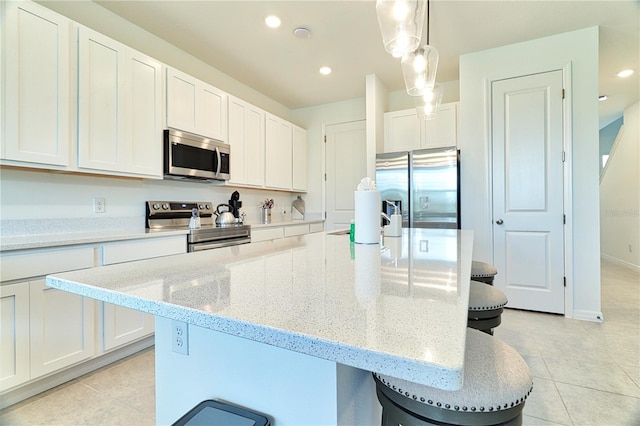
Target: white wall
315, 119
620, 195
46, 195
579, 50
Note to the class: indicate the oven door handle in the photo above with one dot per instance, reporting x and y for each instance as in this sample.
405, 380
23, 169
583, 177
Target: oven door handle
210, 246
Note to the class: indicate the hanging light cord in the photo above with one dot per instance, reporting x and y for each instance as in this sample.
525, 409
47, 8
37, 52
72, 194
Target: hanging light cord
428, 22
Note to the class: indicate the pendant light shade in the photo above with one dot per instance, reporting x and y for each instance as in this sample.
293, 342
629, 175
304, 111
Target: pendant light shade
401, 24
428, 104
419, 69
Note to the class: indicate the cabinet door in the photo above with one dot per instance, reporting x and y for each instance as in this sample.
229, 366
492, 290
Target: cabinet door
278, 155
124, 325
195, 106
237, 139
212, 113
181, 101
299, 165
442, 131
61, 328
402, 131
101, 113
37, 85
14, 335
144, 127
247, 140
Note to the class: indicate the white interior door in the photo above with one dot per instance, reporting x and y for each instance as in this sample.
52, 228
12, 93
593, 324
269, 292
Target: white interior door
528, 214
346, 165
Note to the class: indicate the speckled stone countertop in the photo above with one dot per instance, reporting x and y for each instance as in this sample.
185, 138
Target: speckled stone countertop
71, 237
45, 233
399, 308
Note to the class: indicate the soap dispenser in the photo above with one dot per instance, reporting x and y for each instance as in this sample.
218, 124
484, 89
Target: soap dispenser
394, 229
194, 222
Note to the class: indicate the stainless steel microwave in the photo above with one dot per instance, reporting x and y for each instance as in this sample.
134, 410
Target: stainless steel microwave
190, 156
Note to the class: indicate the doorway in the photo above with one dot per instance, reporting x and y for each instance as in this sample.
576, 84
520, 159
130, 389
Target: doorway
345, 165
528, 190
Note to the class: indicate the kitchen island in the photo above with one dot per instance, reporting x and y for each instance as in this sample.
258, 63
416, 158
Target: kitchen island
293, 327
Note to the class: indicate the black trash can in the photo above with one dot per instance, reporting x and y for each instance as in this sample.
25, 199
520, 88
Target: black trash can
216, 413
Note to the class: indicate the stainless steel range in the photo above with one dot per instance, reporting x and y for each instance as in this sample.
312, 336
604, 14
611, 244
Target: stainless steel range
163, 215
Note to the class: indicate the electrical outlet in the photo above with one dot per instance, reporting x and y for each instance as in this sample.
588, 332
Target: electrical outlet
180, 337
98, 205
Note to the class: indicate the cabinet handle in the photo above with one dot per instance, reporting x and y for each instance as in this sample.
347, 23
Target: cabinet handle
499, 222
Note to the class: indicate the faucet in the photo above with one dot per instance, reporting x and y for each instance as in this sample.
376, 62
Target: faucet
385, 216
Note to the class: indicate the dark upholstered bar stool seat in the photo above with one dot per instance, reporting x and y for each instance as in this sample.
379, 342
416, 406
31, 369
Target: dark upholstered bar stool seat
483, 272
486, 304
496, 384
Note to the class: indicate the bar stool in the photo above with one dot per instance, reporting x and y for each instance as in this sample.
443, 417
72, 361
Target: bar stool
486, 304
483, 272
496, 384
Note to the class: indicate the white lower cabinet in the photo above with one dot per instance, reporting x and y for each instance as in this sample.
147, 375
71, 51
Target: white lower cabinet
45, 330
61, 328
283, 231
123, 325
14, 334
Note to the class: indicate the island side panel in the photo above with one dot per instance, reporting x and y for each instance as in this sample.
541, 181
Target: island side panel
292, 388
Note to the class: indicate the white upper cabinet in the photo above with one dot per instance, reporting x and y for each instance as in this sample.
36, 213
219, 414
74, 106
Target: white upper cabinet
37, 84
279, 139
404, 131
195, 106
247, 140
442, 131
119, 108
299, 165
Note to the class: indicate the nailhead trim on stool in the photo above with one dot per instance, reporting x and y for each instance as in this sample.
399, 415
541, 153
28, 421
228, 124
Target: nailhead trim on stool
486, 304
484, 272
496, 384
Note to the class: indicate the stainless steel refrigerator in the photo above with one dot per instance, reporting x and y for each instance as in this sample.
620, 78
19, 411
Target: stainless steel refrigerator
426, 185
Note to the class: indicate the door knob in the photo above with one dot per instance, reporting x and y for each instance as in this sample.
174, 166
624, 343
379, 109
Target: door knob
499, 222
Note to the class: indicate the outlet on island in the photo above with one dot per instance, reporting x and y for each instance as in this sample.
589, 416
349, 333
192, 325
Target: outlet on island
98, 205
180, 337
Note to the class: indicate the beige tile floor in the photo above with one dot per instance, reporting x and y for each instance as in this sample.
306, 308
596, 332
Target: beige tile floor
584, 373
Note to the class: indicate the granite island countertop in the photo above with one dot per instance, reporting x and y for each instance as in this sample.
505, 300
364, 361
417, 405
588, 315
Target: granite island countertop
399, 308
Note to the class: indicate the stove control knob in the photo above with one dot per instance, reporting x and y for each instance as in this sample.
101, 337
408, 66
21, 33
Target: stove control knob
207, 206
156, 206
201, 206
165, 206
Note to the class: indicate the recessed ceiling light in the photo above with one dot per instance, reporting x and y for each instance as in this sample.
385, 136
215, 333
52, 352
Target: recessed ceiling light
272, 21
603, 98
325, 70
625, 73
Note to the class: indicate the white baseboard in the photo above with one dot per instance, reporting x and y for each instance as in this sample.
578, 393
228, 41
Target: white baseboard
620, 262
43, 384
588, 316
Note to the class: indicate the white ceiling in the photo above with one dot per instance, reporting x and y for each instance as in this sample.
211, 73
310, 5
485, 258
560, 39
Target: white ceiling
231, 36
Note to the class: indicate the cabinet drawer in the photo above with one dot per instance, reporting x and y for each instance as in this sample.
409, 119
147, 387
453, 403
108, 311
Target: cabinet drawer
42, 262
316, 227
265, 234
290, 231
128, 251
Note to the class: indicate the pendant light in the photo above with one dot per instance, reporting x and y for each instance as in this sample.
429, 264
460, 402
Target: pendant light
428, 104
419, 67
401, 24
